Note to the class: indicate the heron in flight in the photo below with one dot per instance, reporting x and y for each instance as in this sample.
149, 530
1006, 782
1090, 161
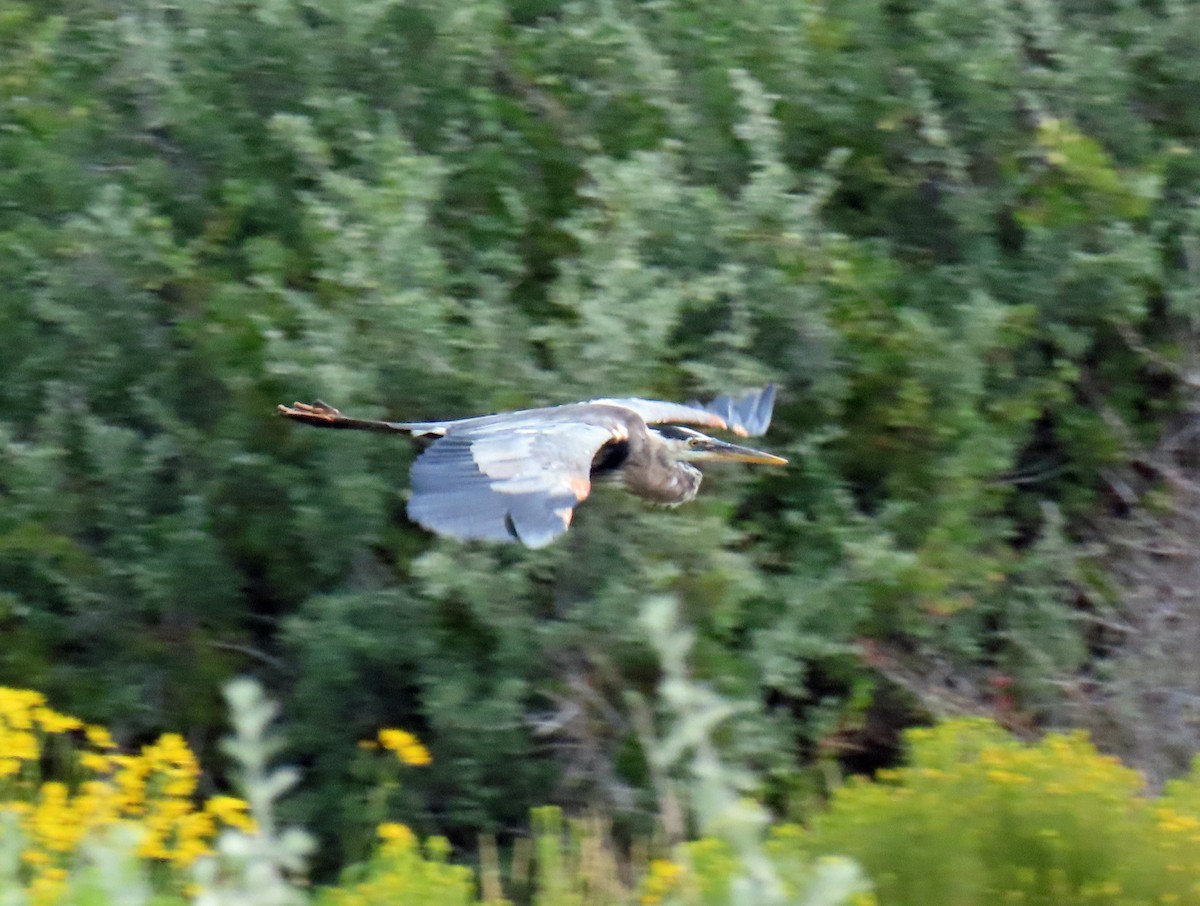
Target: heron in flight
518, 476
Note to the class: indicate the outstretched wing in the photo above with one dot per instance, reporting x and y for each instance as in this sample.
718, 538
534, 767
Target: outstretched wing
512, 478
748, 415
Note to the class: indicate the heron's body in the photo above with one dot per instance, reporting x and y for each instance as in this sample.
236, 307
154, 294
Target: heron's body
518, 476
647, 470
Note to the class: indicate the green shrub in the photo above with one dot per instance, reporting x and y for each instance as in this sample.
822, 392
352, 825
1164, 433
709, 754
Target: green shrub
402, 873
976, 816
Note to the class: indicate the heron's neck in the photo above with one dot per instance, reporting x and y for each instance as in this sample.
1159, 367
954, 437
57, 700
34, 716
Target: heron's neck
668, 483
688, 478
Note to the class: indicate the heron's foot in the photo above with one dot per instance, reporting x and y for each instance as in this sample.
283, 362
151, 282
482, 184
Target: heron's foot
317, 412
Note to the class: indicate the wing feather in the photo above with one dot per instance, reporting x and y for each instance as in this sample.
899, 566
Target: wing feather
748, 415
511, 480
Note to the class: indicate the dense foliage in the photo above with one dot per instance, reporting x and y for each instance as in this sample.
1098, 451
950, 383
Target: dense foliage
973, 816
963, 237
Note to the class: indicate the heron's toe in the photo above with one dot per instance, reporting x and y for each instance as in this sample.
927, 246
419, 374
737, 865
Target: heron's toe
320, 408
318, 411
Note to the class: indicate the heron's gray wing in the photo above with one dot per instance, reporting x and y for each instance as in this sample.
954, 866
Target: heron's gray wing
484, 422
749, 415
509, 479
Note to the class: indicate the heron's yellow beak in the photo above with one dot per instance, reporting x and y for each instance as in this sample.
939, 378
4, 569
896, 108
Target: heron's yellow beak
718, 450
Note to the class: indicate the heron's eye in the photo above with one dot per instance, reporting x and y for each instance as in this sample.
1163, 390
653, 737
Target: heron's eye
693, 441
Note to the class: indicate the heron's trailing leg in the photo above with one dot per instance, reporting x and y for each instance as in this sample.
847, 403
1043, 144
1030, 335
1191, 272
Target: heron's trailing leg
322, 415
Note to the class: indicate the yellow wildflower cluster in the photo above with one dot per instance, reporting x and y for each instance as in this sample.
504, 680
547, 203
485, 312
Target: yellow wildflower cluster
977, 810
401, 874
99, 789
406, 746
24, 721
662, 877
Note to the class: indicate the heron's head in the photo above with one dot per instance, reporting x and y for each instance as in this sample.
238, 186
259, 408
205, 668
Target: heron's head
686, 445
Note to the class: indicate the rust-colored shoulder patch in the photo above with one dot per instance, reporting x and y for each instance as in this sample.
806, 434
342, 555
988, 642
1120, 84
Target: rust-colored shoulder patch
580, 487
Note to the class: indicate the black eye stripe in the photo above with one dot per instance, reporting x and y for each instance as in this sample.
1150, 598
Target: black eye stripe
675, 433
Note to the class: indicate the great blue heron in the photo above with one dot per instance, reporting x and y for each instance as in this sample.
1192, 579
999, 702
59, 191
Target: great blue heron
518, 476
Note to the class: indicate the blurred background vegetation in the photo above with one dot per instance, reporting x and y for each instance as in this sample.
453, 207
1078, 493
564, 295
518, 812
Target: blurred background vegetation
963, 237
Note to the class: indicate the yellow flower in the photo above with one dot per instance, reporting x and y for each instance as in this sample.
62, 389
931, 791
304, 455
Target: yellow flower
195, 829
152, 845
53, 722
230, 811
46, 888
662, 877
97, 804
99, 737
406, 746
397, 834
21, 745
95, 762
1007, 777
16, 707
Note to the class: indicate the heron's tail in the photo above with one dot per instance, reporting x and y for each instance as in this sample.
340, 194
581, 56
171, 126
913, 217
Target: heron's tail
322, 415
